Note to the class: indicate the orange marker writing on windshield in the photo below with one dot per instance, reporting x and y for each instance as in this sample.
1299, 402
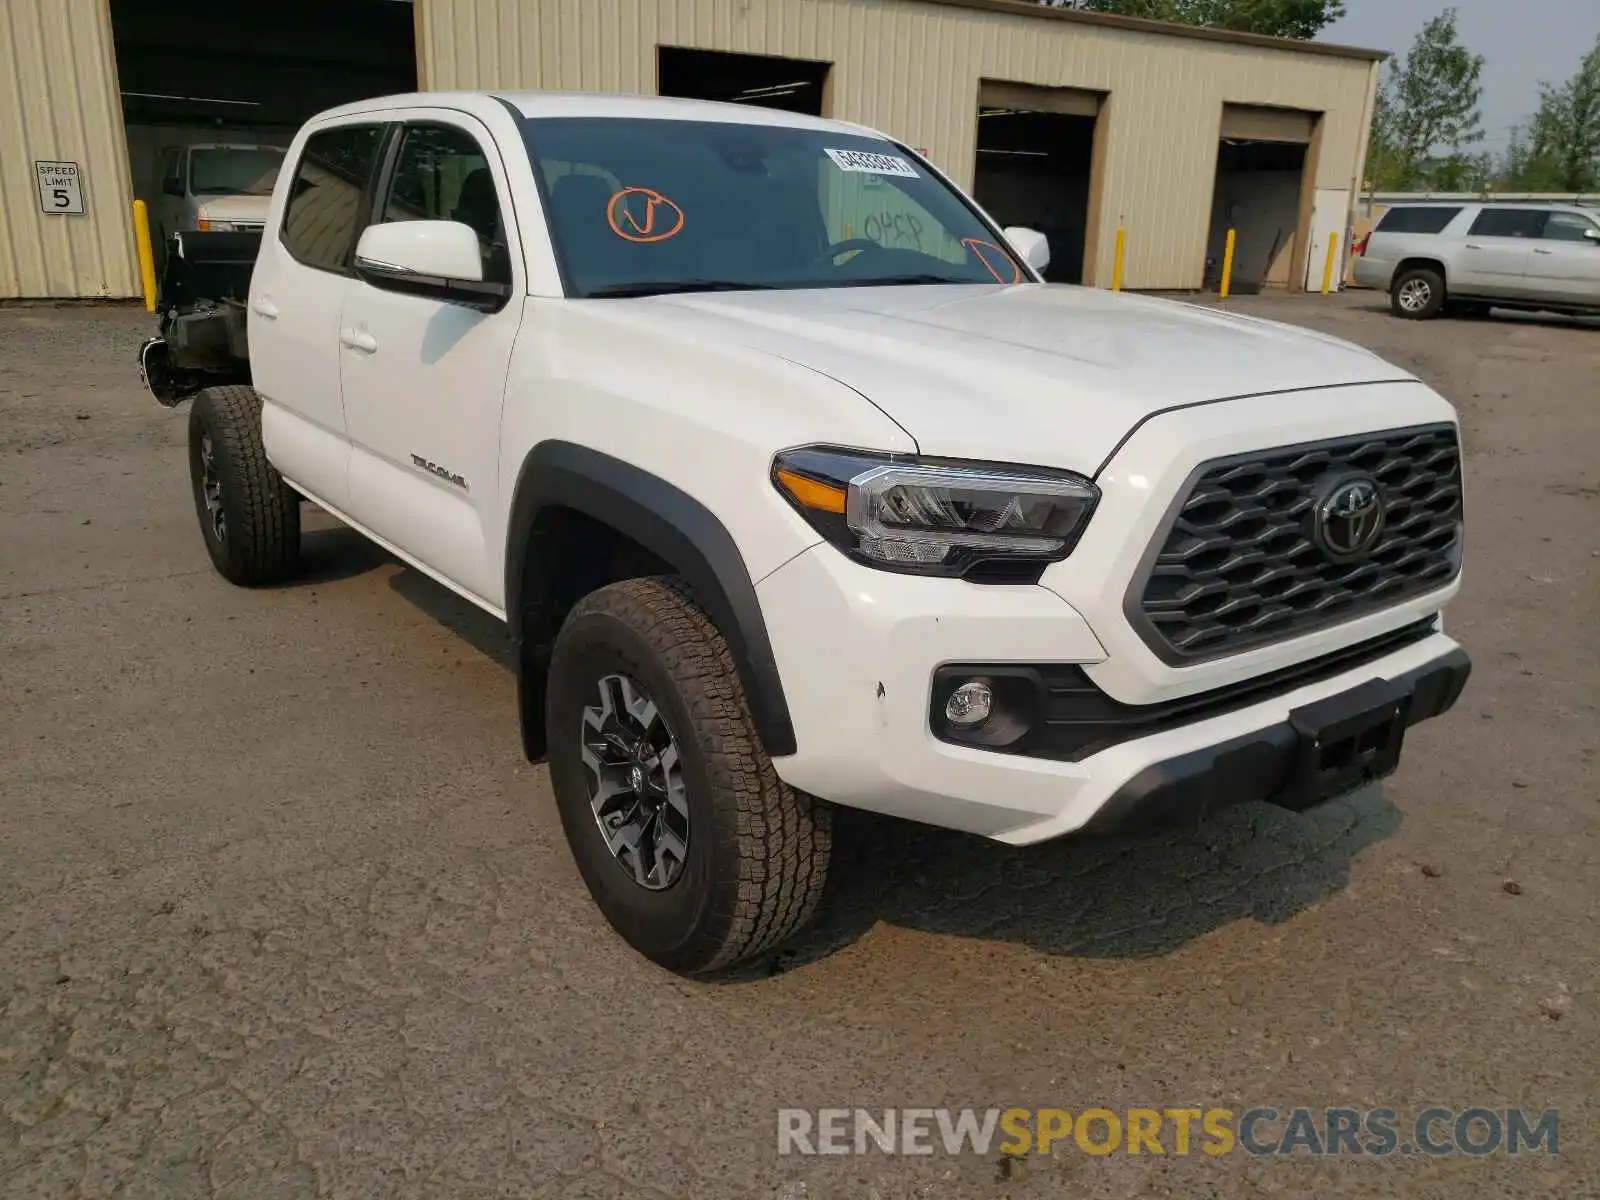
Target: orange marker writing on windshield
656, 220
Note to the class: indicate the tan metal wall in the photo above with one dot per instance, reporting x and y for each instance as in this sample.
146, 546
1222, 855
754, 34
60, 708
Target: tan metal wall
59, 101
912, 69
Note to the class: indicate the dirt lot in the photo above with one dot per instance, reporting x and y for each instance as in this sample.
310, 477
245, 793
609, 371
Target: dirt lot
285, 914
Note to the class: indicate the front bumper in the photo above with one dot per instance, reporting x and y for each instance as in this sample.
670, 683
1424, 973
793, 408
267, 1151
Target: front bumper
1265, 764
857, 650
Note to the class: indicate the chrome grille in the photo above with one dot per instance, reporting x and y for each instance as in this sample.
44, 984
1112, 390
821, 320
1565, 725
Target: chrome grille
1236, 565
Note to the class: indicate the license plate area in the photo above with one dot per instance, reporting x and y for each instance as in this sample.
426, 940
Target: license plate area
1346, 741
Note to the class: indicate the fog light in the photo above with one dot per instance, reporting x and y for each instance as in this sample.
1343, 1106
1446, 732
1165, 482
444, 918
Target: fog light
969, 705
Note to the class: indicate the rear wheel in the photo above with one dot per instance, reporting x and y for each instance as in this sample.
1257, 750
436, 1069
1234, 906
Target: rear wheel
694, 849
1417, 294
249, 517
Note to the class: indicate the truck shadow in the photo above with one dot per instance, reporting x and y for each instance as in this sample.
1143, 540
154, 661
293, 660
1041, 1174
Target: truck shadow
1100, 897
1087, 897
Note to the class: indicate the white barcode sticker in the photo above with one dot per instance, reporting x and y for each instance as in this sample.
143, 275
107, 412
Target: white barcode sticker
872, 164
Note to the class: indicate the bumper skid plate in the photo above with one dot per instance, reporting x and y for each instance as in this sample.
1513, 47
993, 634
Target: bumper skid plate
1320, 751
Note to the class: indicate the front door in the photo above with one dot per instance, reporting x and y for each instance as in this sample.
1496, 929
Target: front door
1494, 259
424, 379
1564, 266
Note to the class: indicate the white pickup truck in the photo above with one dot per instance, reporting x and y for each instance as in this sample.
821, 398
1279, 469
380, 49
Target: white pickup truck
797, 488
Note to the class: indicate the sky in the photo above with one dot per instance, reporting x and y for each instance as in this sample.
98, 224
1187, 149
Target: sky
1524, 42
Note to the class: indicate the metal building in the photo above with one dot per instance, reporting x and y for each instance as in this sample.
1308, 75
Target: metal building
1078, 124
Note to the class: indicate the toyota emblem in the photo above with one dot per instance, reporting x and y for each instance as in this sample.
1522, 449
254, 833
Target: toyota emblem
1349, 517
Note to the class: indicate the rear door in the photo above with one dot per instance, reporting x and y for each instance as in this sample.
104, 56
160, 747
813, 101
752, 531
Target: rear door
424, 379
1565, 263
321, 205
1494, 258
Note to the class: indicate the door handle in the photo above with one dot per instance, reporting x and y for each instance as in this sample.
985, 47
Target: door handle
265, 308
1474, 246
358, 339
1540, 250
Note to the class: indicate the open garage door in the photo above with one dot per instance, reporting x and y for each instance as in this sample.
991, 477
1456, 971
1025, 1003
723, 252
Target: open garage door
792, 84
1265, 168
212, 92
1037, 167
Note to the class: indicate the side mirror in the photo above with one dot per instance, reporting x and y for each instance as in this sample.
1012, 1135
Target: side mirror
1593, 235
439, 260
172, 185
1031, 245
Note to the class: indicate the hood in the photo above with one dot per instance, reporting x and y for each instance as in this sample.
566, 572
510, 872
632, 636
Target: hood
1042, 374
252, 209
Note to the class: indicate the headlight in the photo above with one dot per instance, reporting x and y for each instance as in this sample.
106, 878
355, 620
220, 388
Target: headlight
935, 517
205, 226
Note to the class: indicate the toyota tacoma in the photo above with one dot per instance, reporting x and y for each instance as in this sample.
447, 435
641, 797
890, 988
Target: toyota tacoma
797, 488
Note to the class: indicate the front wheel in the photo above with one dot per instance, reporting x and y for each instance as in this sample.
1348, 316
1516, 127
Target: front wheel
694, 849
1417, 294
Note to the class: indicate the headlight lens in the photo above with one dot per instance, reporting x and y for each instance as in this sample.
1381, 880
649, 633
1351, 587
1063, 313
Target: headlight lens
934, 516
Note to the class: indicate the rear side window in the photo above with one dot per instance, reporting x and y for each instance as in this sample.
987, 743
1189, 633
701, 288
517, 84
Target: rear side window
1417, 220
1509, 222
326, 210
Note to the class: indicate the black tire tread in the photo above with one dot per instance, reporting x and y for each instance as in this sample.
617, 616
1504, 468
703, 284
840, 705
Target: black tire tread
264, 531
784, 837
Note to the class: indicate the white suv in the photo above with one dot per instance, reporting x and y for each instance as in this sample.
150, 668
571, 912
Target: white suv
1467, 258
797, 488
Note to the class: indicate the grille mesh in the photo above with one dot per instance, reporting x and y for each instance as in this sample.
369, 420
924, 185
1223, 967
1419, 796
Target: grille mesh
1237, 567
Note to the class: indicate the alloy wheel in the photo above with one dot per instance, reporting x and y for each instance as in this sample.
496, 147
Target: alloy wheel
1415, 294
636, 785
211, 489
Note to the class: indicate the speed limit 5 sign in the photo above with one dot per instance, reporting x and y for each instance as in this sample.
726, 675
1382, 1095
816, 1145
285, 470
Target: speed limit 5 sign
60, 188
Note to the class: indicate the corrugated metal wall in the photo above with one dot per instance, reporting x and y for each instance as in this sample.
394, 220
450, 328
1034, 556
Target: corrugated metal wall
59, 101
912, 68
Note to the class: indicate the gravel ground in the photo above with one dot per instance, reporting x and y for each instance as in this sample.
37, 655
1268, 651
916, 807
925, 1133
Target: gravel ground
285, 914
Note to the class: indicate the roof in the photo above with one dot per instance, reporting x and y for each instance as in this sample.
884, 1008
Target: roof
602, 104
667, 108
1040, 11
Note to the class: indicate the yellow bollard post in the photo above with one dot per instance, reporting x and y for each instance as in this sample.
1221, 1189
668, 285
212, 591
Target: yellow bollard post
1122, 255
1227, 263
147, 255
1327, 271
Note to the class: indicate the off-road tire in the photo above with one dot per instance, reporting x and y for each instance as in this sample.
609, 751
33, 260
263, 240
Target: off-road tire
260, 540
757, 849
1418, 277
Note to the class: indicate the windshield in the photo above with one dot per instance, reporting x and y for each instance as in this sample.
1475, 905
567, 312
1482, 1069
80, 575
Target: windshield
646, 206
234, 170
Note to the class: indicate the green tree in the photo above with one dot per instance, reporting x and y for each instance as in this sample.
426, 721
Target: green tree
1278, 18
1427, 113
1559, 150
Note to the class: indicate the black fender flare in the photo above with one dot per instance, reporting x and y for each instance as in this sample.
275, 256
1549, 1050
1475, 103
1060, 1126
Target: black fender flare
672, 525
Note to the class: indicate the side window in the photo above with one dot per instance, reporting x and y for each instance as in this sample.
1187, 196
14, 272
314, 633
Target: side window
1417, 220
1509, 222
325, 210
1568, 227
442, 174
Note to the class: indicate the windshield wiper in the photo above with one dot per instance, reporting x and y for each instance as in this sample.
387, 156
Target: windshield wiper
900, 281
670, 287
